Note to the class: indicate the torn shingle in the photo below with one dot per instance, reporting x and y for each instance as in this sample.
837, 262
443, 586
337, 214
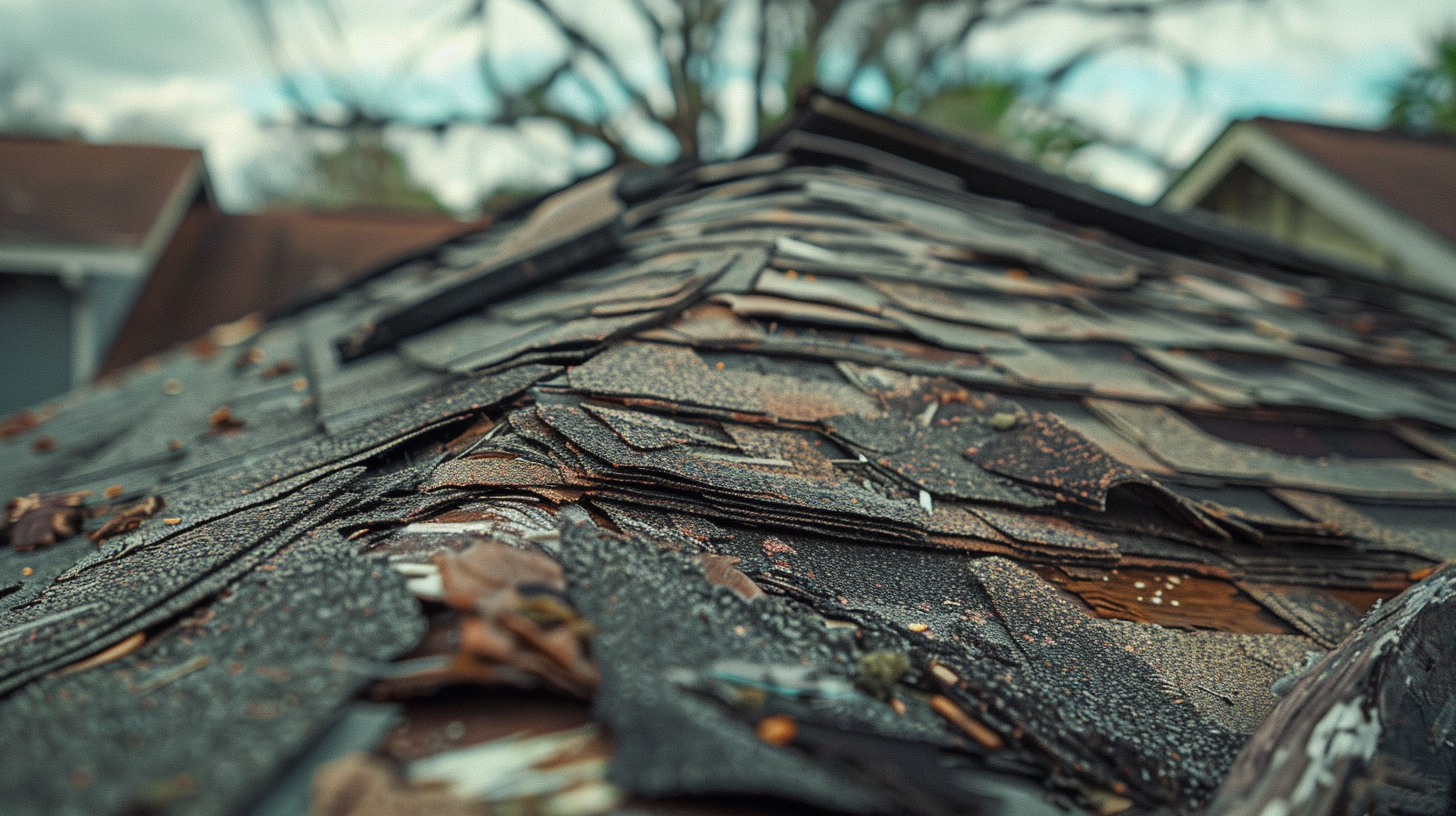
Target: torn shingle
1042, 450
229, 669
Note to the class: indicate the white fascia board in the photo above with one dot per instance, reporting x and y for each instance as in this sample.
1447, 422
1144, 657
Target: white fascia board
1426, 259
74, 260
1207, 170
170, 216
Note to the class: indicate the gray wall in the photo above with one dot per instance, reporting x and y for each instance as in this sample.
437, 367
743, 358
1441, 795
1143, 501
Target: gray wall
35, 340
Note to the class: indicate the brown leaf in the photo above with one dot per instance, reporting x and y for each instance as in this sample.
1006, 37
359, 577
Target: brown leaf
249, 356
278, 369
40, 520
720, 570
204, 348
517, 614
128, 518
18, 423
505, 565
362, 785
222, 421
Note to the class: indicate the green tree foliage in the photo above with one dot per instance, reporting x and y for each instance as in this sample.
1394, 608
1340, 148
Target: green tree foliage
977, 109
998, 113
1425, 99
363, 174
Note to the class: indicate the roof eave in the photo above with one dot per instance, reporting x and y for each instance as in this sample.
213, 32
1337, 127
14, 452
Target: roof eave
1427, 259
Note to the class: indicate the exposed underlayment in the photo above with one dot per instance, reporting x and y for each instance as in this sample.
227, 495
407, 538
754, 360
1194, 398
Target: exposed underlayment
811, 480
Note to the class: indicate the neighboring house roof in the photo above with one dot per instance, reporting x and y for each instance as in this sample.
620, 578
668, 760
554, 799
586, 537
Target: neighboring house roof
1413, 174
60, 192
220, 267
1395, 190
818, 475
81, 226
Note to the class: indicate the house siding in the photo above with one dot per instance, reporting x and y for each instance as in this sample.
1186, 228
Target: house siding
35, 333
1253, 200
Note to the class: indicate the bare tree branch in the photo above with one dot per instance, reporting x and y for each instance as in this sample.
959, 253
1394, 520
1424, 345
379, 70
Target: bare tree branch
690, 38
273, 47
581, 42
760, 62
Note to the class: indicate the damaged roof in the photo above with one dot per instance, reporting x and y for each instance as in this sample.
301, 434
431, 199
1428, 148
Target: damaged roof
868, 473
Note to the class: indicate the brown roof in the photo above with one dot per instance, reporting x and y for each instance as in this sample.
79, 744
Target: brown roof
68, 192
1415, 175
221, 267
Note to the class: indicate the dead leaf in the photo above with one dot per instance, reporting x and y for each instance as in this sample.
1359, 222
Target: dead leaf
128, 518
358, 784
517, 614
40, 520
222, 421
720, 570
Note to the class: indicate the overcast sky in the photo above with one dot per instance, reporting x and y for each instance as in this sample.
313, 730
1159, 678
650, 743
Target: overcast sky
192, 71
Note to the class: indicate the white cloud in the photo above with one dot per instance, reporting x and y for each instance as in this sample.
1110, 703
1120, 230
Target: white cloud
195, 112
467, 163
625, 37
145, 38
1119, 173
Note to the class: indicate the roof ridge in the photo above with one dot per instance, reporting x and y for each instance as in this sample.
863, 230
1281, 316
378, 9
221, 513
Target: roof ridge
1389, 131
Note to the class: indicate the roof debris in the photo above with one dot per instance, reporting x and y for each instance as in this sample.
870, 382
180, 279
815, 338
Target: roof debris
40, 520
127, 518
517, 614
811, 477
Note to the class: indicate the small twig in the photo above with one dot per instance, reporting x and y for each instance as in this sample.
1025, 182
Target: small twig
1220, 695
